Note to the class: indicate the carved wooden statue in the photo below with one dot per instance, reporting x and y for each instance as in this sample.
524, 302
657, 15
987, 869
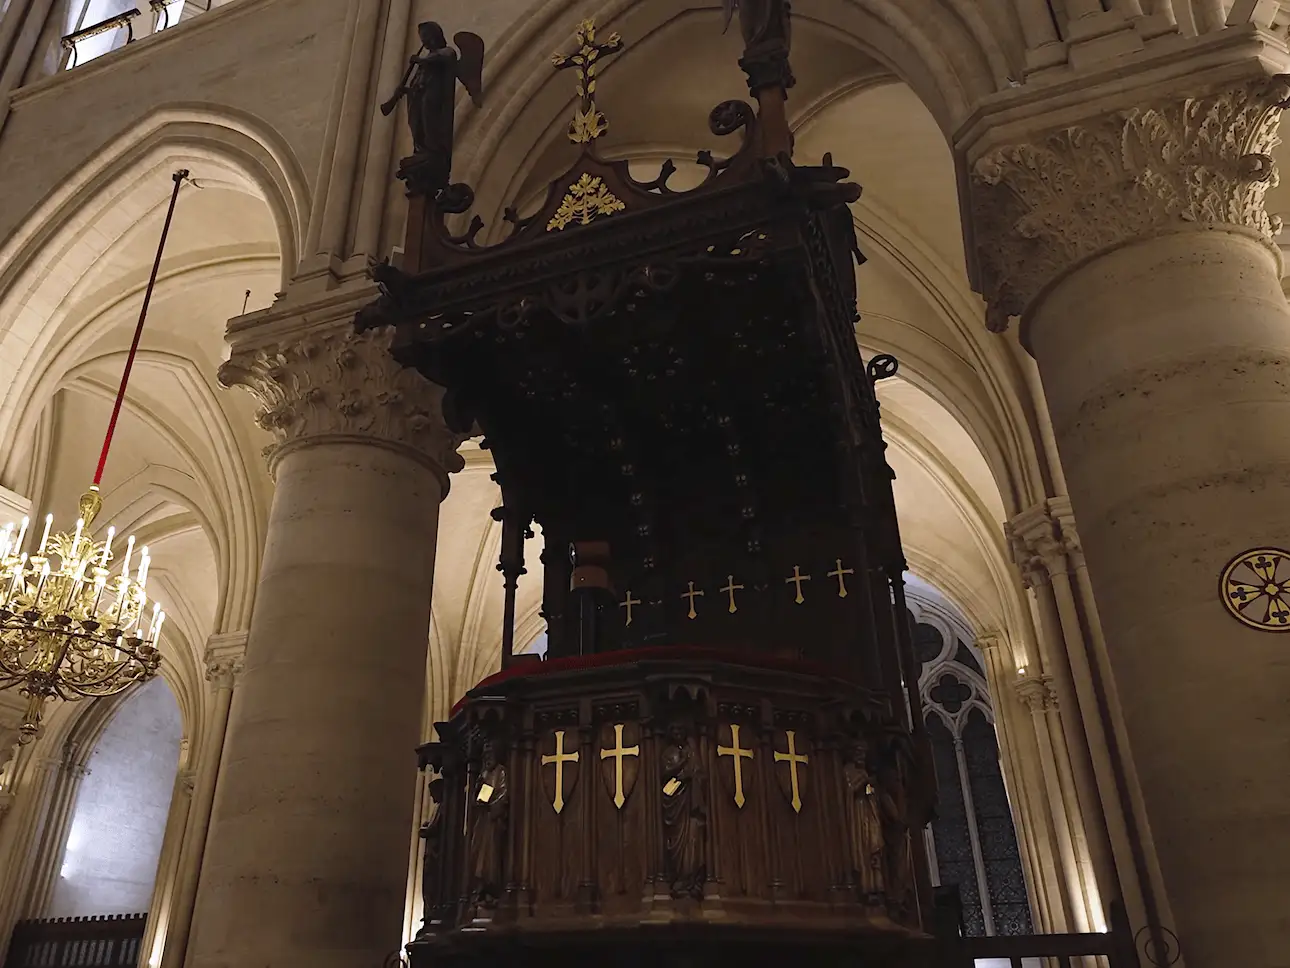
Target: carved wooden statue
865, 825
432, 835
430, 86
489, 809
764, 23
893, 802
684, 817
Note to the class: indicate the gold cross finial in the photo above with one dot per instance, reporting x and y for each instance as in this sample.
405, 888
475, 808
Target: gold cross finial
588, 123
730, 589
841, 576
796, 579
692, 595
627, 603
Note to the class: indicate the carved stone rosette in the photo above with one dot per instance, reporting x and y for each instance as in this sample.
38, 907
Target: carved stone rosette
343, 384
1043, 208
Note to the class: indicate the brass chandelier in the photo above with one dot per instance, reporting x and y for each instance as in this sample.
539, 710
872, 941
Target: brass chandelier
69, 628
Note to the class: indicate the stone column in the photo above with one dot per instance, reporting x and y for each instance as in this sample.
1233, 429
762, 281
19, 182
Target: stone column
225, 655
1136, 248
306, 863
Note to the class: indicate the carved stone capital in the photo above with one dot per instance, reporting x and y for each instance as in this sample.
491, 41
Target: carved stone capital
1041, 538
1037, 693
1043, 208
225, 655
343, 384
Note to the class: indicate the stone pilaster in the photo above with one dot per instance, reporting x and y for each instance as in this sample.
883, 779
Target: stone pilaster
1044, 207
224, 659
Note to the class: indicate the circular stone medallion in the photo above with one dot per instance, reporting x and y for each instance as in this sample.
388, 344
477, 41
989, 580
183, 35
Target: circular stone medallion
1255, 587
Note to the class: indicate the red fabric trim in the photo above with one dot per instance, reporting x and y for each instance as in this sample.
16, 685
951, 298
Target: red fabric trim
627, 656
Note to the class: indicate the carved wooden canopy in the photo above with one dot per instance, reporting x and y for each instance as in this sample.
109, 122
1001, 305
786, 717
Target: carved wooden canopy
674, 374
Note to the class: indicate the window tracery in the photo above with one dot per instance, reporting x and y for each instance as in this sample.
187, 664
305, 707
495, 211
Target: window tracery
972, 843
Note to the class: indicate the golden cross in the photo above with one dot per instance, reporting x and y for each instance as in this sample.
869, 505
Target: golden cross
739, 755
692, 595
840, 575
559, 759
628, 605
792, 758
618, 754
731, 587
588, 123
797, 580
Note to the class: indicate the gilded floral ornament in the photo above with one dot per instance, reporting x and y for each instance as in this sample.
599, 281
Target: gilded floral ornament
588, 122
587, 199
1042, 208
344, 384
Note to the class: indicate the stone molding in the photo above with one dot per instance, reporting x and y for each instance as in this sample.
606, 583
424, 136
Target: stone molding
1037, 693
1045, 207
225, 657
341, 384
1044, 541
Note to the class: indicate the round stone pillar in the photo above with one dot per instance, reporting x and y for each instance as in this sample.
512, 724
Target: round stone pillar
306, 863
1138, 253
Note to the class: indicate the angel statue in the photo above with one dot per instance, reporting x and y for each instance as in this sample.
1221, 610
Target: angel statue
765, 23
430, 85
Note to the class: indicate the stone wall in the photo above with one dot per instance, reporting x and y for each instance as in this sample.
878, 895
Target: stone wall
110, 862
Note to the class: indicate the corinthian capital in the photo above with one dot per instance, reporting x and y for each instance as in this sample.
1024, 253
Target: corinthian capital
1042, 208
343, 384
1037, 693
225, 656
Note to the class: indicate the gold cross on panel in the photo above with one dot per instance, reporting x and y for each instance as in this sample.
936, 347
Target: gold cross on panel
618, 753
559, 758
840, 575
797, 579
738, 754
793, 759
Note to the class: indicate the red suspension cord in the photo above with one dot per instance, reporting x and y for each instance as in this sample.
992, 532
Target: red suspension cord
179, 177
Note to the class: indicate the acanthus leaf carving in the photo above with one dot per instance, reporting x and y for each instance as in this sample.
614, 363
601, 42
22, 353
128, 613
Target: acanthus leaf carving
345, 384
1043, 208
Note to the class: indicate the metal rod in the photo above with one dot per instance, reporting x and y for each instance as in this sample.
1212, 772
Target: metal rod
178, 177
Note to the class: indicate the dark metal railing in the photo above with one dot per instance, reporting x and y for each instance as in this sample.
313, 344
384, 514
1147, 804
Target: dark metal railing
125, 20
1115, 949
107, 941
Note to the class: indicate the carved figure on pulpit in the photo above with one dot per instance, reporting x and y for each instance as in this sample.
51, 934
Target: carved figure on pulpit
431, 857
894, 805
767, 27
430, 85
763, 22
865, 821
684, 816
489, 815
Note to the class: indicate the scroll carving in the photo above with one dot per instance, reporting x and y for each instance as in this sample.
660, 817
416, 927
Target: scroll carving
1043, 208
345, 384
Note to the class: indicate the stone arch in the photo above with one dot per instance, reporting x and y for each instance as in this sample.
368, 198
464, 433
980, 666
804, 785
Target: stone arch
943, 49
57, 243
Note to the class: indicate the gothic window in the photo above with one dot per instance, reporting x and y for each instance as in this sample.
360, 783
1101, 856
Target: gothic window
972, 842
